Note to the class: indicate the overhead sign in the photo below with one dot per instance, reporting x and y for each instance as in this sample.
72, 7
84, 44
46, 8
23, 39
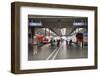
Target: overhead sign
35, 24
78, 24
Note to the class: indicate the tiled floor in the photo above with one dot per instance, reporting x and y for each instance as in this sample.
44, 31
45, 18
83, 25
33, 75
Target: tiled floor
48, 52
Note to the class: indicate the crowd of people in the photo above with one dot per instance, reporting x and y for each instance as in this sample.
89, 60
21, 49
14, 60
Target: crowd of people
79, 41
58, 42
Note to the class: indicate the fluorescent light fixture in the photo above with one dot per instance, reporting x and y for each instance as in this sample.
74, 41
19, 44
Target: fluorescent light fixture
64, 37
77, 30
63, 31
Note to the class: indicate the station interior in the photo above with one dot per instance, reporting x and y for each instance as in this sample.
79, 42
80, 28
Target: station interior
57, 37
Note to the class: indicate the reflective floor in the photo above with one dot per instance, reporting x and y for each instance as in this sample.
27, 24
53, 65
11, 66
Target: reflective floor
64, 51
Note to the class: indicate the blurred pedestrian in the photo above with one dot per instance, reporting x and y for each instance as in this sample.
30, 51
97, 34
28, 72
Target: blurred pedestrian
70, 42
66, 42
51, 42
58, 42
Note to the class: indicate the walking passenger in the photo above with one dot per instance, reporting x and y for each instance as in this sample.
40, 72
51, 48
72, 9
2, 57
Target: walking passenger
51, 42
58, 42
70, 42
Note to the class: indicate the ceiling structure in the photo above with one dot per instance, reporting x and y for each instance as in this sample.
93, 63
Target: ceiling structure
56, 23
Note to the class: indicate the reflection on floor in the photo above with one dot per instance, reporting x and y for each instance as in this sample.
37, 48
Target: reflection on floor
48, 52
